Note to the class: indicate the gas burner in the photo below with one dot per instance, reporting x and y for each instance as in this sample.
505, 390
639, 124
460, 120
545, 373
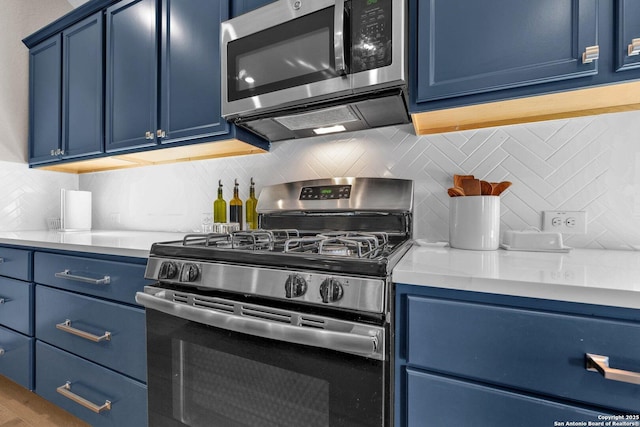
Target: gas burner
340, 243
248, 240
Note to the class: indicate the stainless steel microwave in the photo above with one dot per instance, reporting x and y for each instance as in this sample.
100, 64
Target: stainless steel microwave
297, 68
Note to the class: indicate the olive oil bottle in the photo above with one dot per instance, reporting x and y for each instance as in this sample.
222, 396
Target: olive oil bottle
235, 206
219, 206
252, 215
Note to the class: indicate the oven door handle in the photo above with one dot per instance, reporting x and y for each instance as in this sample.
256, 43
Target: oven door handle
367, 343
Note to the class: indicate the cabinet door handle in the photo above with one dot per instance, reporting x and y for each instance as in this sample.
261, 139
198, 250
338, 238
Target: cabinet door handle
66, 274
591, 53
148, 135
1, 351
66, 327
3, 300
65, 390
597, 363
161, 134
634, 47
1, 260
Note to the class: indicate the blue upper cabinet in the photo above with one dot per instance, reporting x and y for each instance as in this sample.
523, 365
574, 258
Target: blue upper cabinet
469, 47
45, 91
190, 70
65, 97
628, 34
131, 75
238, 7
82, 86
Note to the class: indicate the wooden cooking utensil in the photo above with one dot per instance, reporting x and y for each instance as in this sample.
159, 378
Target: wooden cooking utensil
455, 191
457, 179
486, 188
500, 187
471, 187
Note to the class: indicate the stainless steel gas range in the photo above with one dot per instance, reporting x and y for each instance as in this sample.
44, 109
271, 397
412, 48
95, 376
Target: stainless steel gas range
288, 325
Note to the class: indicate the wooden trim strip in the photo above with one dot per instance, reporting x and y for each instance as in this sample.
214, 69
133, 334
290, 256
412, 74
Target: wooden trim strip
577, 103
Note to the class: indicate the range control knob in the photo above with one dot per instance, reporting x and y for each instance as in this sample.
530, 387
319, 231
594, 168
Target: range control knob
190, 273
331, 290
168, 270
295, 286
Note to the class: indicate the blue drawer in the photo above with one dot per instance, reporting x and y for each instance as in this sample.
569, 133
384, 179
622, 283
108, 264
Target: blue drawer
524, 349
55, 368
124, 351
16, 357
15, 263
90, 276
16, 302
438, 401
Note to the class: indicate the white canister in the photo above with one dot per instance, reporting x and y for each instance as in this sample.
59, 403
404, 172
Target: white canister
474, 222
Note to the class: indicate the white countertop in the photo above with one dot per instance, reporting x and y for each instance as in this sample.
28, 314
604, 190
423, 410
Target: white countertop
604, 277
110, 242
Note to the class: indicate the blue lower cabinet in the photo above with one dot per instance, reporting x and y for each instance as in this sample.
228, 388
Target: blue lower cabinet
16, 357
15, 263
441, 401
110, 334
16, 300
91, 392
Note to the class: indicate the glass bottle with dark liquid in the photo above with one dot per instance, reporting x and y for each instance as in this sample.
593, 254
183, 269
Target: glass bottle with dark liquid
219, 206
235, 206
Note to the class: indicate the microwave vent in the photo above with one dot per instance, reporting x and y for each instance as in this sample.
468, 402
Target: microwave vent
319, 118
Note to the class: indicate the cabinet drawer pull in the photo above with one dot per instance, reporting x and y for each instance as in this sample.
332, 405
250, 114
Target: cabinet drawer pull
67, 275
634, 47
1, 351
3, 300
1, 260
66, 327
65, 390
597, 363
591, 53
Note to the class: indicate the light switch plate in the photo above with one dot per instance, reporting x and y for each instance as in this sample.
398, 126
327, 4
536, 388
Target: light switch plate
567, 222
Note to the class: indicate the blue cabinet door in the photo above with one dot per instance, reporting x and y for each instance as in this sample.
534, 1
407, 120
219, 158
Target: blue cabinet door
190, 69
82, 101
628, 34
467, 47
243, 6
131, 75
45, 86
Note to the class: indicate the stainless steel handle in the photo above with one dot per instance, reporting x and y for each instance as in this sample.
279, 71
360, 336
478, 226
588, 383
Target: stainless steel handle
591, 53
66, 274
1, 260
148, 135
362, 345
2, 300
66, 327
65, 390
634, 47
338, 37
1, 351
161, 134
597, 363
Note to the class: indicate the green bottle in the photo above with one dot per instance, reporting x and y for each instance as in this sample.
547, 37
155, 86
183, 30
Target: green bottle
252, 215
235, 206
219, 206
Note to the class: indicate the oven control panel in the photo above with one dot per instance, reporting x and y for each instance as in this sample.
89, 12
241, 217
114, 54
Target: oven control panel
349, 292
325, 192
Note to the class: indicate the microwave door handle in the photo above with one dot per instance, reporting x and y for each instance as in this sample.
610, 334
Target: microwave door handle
366, 345
338, 37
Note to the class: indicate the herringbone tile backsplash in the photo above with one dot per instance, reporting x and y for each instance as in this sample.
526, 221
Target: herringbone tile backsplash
590, 164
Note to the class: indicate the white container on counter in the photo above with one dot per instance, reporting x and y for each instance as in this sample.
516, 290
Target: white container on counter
474, 222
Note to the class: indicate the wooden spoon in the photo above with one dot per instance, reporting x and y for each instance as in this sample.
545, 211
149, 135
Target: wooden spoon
486, 189
457, 179
500, 187
471, 187
455, 191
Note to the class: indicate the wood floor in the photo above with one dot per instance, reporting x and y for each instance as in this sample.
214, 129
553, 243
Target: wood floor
20, 407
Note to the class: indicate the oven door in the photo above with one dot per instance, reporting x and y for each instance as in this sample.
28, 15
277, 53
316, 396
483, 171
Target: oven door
219, 363
283, 53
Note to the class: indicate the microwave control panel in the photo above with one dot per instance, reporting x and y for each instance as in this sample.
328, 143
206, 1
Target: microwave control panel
371, 40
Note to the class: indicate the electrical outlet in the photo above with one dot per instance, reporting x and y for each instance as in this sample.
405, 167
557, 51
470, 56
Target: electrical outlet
568, 222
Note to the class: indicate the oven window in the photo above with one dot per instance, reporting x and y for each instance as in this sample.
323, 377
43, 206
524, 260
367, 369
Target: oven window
204, 376
235, 391
292, 54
